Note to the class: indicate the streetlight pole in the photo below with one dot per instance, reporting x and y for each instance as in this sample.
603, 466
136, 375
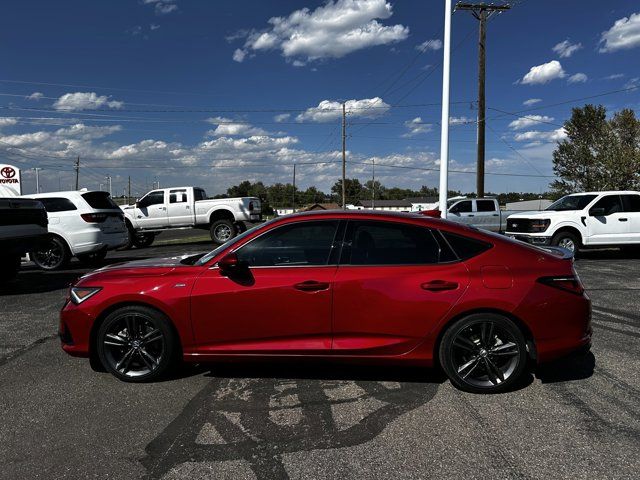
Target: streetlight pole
37, 170
444, 130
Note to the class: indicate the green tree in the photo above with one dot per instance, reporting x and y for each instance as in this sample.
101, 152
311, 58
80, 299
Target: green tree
598, 154
353, 190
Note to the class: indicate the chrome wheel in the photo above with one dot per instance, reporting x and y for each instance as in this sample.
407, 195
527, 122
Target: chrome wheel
485, 354
567, 243
222, 233
133, 345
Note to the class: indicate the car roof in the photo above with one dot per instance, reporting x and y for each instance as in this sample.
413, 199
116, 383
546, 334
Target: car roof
608, 192
60, 194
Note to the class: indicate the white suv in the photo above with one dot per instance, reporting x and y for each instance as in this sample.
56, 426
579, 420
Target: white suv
84, 224
590, 219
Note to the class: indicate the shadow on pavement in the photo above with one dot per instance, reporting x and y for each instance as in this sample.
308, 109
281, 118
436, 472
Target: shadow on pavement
573, 367
609, 254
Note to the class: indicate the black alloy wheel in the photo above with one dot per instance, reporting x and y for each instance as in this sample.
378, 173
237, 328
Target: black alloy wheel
136, 344
52, 254
483, 353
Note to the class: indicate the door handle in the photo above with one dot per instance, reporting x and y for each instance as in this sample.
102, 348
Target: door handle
439, 285
311, 286
495, 215
469, 215
622, 219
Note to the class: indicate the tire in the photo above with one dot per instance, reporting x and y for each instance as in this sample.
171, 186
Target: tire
130, 235
143, 240
10, 267
222, 231
93, 259
483, 353
52, 254
129, 357
567, 240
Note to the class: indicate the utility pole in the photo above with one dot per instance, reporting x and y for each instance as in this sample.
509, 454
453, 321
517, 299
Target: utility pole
37, 170
344, 156
108, 177
294, 188
77, 169
444, 122
373, 184
481, 11
129, 191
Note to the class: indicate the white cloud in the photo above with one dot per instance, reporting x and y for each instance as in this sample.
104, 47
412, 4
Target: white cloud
7, 121
329, 110
332, 30
87, 132
35, 96
623, 35
544, 73
282, 117
614, 76
239, 55
154, 26
415, 127
536, 136
162, 7
229, 127
577, 78
531, 101
435, 44
84, 101
528, 121
565, 49
460, 120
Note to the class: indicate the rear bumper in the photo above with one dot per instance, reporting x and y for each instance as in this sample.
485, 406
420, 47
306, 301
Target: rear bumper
532, 239
101, 241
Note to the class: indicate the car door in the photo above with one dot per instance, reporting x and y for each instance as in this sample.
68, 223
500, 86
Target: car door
280, 303
390, 290
462, 212
631, 208
607, 224
151, 210
179, 208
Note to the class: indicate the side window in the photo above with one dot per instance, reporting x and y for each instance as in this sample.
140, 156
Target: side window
57, 204
465, 247
177, 196
306, 243
154, 198
462, 207
631, 203
486, 205
199, 194
387, 243
610, 204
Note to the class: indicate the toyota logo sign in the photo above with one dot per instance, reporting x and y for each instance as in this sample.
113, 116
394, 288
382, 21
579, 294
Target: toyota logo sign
9, 181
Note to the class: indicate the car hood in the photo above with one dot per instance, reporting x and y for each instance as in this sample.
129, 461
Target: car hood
538, 214
139, 268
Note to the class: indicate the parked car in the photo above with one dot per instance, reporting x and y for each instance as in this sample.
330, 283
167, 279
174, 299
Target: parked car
360, 285
82, 224
582, 220
23, 226
188, 207
483, 213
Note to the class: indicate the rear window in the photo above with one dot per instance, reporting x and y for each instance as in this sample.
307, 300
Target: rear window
199, 194
56, 204
486, 205
465, 247
99, 200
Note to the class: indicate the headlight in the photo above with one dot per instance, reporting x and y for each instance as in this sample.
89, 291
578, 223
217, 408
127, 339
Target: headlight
537, 226
80, 294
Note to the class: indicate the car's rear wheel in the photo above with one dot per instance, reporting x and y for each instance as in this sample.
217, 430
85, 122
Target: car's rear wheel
567, 240
136, 344
483, 353
222, 231
52, 254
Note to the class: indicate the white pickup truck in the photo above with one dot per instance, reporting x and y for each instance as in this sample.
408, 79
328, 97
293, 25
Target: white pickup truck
483, 213
188, 207
582, 220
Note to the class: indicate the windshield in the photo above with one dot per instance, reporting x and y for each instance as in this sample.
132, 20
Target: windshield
571, 202
230, 243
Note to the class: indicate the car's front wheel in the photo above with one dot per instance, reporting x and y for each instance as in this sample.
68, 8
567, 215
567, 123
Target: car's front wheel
136, 344
483, 353
222, 231
567, 240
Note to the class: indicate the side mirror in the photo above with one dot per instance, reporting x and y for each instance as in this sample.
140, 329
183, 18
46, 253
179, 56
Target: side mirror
230, 264
597, 212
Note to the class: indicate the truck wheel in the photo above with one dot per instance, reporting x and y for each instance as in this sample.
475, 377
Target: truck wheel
567, 240
130, 234
10, 267
142, 240
222, 231
52, 254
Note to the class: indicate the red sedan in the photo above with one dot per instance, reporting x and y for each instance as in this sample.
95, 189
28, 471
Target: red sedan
340, 285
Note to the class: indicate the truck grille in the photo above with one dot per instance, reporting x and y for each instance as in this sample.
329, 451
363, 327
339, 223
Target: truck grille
518, 225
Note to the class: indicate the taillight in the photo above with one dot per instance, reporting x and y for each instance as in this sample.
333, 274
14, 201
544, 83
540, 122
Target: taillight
94, 217
250, 206
570, 283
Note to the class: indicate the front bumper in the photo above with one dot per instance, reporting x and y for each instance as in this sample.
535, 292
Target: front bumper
532, 239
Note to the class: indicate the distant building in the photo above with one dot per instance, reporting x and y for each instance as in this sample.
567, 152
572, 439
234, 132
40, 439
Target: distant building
284, 211
320, 206
423, 203
528, 205
387, 205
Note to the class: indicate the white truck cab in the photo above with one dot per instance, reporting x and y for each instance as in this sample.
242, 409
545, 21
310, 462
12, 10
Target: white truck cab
582, 220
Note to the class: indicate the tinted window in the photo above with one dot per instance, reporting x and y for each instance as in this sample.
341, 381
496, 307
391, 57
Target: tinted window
462, 207
465, 247
57, 204
386, 243
307, 243
631, 203
99, 200
177, 196
199, 194
154, 198
610, 204
571, 202
486, 205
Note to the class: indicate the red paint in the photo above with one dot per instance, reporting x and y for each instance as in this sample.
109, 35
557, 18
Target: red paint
381, 313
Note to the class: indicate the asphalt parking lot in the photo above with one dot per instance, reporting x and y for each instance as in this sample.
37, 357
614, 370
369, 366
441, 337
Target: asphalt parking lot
579, 418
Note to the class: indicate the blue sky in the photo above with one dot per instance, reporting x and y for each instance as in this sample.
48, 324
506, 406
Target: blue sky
212, 93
